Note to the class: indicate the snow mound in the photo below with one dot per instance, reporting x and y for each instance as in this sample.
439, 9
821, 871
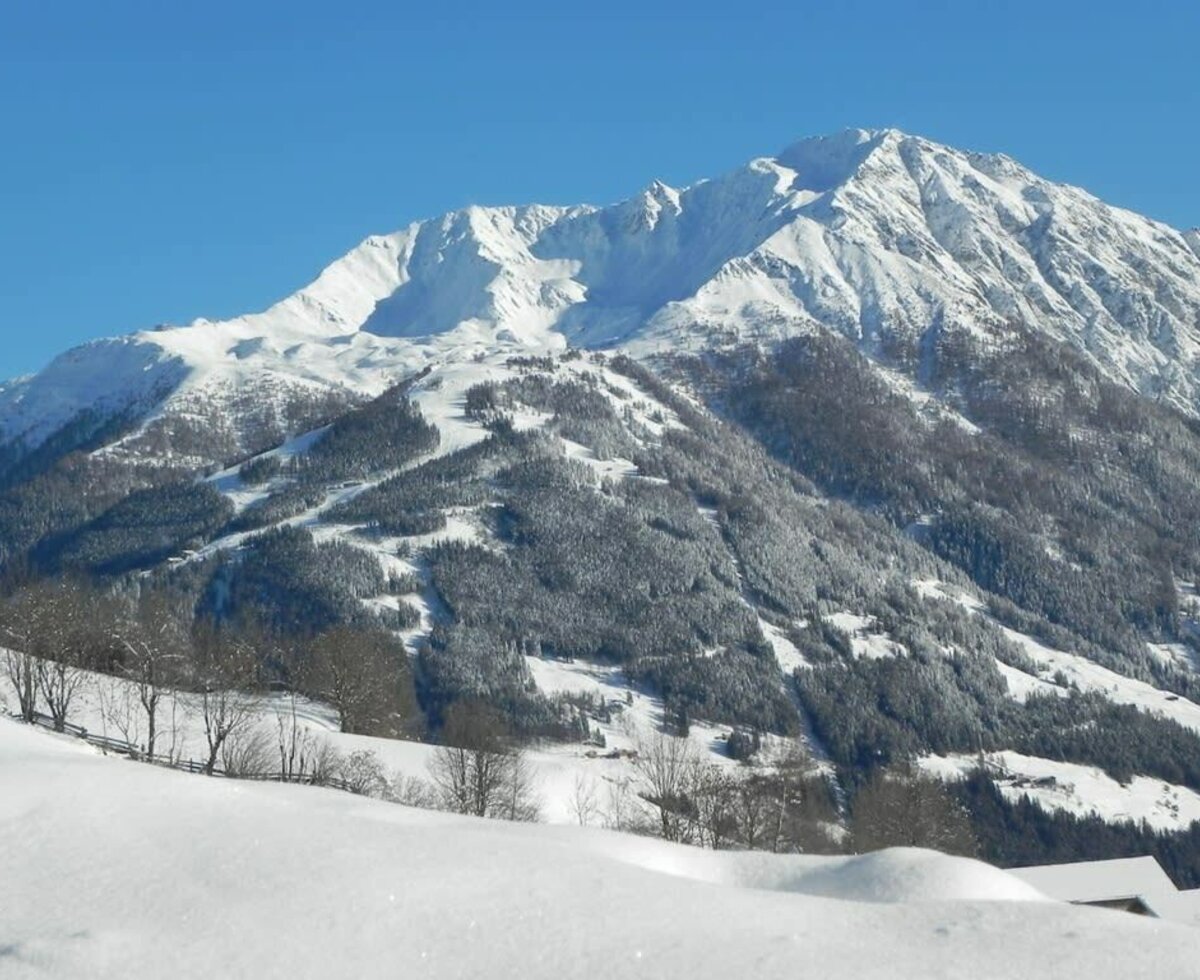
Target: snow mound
898, 875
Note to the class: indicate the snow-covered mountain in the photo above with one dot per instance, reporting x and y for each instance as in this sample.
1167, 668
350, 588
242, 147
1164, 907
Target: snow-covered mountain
888, 239
931, 488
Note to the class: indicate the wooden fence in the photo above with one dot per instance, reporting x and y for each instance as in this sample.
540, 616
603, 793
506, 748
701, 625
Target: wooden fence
119, 747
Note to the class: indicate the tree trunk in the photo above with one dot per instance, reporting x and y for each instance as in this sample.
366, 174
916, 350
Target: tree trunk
28, 696
213, 750
151, 717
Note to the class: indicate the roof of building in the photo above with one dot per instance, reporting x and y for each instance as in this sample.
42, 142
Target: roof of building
1098, 881
1093, 882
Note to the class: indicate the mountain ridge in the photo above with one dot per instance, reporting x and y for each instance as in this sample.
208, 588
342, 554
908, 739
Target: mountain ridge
874, 234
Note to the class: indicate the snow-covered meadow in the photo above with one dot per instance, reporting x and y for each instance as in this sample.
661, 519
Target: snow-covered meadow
571, 782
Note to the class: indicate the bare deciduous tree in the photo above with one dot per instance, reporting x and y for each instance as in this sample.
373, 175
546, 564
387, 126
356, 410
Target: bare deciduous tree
620, 810
755, 806
226, 672
907, 809
155, 645
519, 802
49, 630
65, 635
20, 667
783, 806
304, 755
364, 674
247, 753
363, 774
59, 681
712, 798
325, 762
24, 618
585, 800
292, 739
413, 791
668, 768
792, 777
478, 771
119, 709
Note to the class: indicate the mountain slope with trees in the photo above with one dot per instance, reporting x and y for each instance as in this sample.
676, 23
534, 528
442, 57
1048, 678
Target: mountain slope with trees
829, 450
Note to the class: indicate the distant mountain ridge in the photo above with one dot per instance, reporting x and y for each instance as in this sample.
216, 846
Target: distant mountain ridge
885, 238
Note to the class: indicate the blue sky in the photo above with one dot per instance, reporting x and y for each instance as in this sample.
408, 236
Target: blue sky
161, 161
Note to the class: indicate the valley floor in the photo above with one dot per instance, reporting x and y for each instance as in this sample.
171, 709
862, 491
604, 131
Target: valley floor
114, 869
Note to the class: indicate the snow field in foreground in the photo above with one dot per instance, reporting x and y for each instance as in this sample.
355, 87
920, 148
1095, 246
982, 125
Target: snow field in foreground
114, 869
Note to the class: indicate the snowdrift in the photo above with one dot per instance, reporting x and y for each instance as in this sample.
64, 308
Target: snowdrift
114, 869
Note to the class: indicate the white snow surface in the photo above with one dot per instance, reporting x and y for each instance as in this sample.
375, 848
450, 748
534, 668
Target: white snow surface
118, 869
1021, 685
866, 641
873, 234
636, 712
1088, 676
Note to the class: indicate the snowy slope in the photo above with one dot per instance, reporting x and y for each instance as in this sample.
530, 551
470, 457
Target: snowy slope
1080, 790
132, 871
1079, 672
886, 238
297, 337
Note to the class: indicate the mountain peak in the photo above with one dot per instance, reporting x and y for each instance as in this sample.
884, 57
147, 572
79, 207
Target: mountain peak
825, 162
647, 207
